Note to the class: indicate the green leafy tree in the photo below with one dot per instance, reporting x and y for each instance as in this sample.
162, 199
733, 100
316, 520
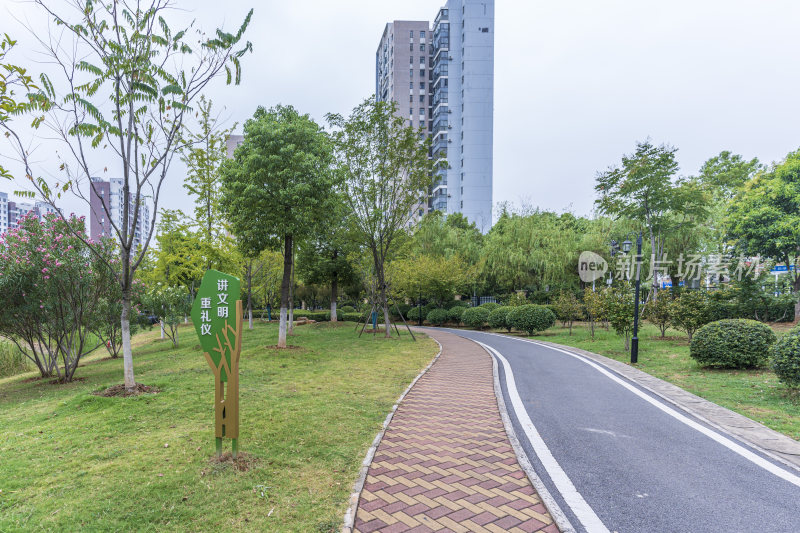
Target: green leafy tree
203, 154
764, 218
643, 189
170, 305
278, 187
689, 311
594, 305
126, 89
324, 257
387, 173
436, 278
618, 307
659, 311
568, 308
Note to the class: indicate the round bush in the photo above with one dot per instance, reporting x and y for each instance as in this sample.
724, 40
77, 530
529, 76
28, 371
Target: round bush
786, 358
732, 343
498, 318
454, 314
475, 317
491, 306
531, 318
413, 313
437, 317
346, 309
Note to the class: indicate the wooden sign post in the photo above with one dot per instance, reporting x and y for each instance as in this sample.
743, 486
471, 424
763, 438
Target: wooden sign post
217, 317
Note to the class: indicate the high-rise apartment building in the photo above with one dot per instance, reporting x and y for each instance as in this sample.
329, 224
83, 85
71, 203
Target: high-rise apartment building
11, 211
105, 206
460, 95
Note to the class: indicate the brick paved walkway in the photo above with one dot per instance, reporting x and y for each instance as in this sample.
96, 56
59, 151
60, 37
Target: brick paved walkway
445, 462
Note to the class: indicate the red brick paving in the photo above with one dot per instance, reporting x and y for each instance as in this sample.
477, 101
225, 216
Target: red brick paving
445, 462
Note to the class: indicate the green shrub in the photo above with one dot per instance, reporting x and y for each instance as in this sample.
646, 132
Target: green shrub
531, 318
458, 303
475, 317
437, 317
318, 316
786, 358
346, 309
351, 317
454, 314
413, 313
499, 318
491, 306
732, 343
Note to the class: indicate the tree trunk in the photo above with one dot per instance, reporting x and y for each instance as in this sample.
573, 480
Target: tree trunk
285, 285
291, 300
334, 291
250, 293
162, 329
127, 353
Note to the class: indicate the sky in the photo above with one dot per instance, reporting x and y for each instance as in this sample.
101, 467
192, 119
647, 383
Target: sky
577, 83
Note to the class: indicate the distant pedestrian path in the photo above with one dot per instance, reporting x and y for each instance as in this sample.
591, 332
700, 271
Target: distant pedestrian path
445, 462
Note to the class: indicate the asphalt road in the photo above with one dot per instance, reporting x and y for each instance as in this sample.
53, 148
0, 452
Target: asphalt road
617, 458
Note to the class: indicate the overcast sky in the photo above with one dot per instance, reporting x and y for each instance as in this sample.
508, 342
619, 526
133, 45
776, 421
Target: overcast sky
577, 83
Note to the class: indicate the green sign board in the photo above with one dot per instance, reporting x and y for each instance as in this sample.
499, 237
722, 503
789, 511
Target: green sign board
214, 318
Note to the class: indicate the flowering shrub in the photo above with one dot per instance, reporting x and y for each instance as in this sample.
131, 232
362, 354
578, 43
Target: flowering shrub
50, 291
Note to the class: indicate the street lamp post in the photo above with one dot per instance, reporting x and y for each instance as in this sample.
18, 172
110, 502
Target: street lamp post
626, 247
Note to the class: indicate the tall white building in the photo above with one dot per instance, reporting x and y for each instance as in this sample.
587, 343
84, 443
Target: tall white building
458, 79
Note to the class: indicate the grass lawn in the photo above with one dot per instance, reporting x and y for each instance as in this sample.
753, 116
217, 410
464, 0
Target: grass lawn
756, 394
70, 460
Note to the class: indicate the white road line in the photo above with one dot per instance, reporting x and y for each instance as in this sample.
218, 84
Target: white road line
734, 447
583, 512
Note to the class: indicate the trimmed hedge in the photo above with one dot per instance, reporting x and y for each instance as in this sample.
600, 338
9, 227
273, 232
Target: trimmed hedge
732, 343
786, 358
437, 317
413, 313
491, 306
531, 318
498, 318
346, 309
319, 316
454, 314
475, 317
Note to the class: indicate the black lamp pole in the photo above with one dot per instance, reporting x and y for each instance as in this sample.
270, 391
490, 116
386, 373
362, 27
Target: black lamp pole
635, 340
419, 308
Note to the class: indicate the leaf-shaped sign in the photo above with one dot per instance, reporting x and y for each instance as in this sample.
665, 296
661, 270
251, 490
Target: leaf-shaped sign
214, 317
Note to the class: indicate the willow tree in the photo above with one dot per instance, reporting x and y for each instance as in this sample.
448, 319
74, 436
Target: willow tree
387, 174
125, 88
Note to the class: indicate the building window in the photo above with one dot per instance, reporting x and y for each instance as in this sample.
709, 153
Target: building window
422, 85
411, 73
422, 34
411, 111
410, 97
421, 60
411, 47
422, 73
421, 123
422, 98
411, 34
411, 85
411, 60
421, 47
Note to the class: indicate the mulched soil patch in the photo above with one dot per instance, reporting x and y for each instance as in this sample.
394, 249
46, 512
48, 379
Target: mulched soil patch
243, 462
120, 390
288, 347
